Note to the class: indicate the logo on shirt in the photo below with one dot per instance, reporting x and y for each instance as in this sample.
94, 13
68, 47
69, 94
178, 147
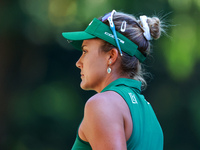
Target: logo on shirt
133, 99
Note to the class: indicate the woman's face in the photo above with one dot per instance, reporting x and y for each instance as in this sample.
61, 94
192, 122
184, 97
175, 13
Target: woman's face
93, 64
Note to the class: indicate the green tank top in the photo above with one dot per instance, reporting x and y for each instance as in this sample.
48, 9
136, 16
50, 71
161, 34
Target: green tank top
147, 133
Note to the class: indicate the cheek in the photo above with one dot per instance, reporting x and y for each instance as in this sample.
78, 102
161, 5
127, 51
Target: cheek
94, 64
99, 66
96, 70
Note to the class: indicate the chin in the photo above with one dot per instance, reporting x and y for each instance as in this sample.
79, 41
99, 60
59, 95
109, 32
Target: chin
84, 86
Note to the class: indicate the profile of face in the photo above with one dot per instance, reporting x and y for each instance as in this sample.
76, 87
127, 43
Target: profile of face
93, 64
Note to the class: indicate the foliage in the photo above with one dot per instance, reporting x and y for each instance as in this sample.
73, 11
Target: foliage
41, 102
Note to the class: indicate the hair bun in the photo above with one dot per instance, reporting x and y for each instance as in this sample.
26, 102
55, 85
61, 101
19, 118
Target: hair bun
155, 27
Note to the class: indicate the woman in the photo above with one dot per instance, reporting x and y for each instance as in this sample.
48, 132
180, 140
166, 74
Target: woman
118, 117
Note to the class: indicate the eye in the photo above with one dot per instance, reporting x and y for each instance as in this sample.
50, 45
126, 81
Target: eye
84, 51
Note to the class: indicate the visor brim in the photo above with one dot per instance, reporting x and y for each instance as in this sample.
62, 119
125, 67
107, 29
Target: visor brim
77, 36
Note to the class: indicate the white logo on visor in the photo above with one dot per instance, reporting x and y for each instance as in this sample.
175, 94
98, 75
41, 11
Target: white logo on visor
112, 36
90, 23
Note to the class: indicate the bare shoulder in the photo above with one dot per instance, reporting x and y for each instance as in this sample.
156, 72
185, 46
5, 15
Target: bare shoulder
103, 121
107, 101
105, 107
105, 97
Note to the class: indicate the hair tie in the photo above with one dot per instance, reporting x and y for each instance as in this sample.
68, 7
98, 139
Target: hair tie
145, 27
123, 26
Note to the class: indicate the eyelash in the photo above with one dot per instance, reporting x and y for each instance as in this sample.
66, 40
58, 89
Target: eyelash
84, 51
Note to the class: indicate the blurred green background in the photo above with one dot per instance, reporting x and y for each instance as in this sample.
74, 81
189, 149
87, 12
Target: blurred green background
41, 103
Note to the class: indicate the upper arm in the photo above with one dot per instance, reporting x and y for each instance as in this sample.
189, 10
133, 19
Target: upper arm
103, 124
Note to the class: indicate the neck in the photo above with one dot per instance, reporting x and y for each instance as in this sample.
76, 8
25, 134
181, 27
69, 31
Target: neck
110, 78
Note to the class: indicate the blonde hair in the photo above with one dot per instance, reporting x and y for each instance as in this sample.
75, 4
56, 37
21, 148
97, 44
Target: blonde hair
130, 65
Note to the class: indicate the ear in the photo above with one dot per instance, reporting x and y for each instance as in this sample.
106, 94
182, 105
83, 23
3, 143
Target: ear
113, 54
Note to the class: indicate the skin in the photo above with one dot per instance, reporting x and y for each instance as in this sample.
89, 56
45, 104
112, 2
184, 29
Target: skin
107, 122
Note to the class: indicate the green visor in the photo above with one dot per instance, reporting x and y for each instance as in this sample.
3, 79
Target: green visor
98, 29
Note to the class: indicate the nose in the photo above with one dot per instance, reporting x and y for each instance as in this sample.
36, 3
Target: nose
79, 63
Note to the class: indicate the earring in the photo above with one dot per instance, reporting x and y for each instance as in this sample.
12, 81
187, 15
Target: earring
109, 69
